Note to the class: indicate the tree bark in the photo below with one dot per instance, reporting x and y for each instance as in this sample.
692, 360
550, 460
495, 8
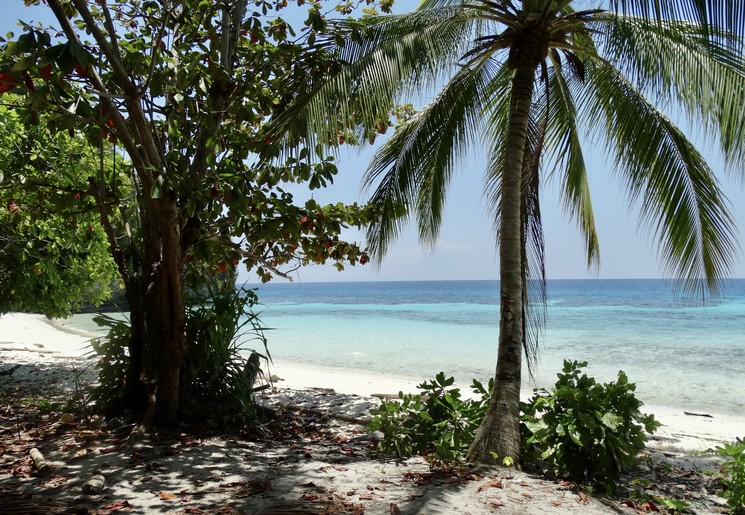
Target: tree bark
499, 434
172, 323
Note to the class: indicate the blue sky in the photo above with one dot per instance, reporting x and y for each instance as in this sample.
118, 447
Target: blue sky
466, 249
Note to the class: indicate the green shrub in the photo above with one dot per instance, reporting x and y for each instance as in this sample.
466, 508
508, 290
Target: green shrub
220, 322
734, 475
219, 325
435, 422
586, 430
113, 359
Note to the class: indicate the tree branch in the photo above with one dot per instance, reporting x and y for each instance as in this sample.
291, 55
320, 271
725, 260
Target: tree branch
121, 129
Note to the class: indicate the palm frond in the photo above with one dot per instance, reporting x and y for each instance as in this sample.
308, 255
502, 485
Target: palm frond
679, 196
673, 62
534, 256
413, 169
710, 14
565, 153
378, 63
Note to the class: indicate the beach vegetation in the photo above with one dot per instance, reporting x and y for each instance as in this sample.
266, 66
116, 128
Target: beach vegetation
173, 99
215, 376
588, 431
733, 475
54, 255
112, 362
435, 422
581, 429
528, 84
222, 329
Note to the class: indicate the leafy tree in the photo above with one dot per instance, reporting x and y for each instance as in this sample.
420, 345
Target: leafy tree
53, 252
181, 89
524, 83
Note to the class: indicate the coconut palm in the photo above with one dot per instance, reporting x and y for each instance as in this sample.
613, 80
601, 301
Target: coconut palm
527, 83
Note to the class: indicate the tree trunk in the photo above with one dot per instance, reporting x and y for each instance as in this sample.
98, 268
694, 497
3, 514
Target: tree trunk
171, 310
155, 293
163, 326
499, 434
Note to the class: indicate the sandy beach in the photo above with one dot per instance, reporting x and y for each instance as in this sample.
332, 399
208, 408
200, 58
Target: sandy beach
369, 485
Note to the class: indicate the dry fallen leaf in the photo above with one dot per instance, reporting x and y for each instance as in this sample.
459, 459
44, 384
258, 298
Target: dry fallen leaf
649, 507
491, 484
394, 509
166, 496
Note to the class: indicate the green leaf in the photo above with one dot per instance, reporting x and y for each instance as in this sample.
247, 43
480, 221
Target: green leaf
611, 420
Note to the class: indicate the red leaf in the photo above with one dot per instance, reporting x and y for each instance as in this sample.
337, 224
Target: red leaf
8, 81
491, 484
166, 496
649, 506
309, 497
394, 509
29, 83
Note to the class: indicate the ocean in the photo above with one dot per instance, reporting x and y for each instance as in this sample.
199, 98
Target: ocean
678, 352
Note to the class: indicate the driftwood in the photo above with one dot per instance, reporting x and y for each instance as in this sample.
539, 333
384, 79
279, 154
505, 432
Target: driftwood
691, 413
39, 462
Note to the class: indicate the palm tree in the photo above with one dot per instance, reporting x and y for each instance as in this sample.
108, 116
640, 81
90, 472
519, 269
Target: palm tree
527, 82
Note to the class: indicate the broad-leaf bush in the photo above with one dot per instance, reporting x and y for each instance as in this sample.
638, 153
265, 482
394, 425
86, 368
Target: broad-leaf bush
734, 475
586, 430
436, 422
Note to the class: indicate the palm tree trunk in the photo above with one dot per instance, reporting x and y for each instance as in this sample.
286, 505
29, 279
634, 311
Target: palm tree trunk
499, 434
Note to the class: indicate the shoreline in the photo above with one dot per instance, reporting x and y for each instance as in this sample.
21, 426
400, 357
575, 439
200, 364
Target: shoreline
31, 338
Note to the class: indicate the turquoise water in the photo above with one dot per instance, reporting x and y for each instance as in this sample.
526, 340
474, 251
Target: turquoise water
678, 352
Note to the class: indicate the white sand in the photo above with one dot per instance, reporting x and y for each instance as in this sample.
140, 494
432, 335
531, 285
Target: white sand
33, 338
